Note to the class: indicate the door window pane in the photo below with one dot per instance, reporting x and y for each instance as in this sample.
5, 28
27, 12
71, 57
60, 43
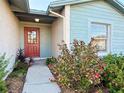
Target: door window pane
32, 37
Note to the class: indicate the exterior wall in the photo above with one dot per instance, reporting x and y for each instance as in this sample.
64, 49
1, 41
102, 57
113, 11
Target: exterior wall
98, 11
57, 34
45, 37
9, 33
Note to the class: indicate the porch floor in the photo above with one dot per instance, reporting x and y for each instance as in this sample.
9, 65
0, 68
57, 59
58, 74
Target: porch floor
37, 80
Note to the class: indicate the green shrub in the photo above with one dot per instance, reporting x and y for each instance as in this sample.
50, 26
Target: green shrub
3, 65
79, 69
50, 61
3, 87
114, 73
20, 69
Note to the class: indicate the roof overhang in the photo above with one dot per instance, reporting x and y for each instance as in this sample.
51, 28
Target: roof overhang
19, 5
117, 5
59, 4
30, 17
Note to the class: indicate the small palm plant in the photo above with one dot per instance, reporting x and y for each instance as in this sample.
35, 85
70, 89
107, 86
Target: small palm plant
20, 55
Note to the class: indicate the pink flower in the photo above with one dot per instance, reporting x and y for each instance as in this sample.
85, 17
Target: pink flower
97, 75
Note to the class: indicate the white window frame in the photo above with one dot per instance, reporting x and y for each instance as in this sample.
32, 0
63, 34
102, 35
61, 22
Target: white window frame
109, 24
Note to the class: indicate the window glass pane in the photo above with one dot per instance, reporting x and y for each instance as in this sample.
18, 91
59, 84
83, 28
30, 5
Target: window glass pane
99, 34
98, 30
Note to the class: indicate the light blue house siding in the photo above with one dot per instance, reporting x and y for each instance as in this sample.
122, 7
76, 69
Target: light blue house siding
45, 38
98, 11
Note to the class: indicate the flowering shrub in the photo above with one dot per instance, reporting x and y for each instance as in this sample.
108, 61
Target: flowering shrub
79, 69
114, 73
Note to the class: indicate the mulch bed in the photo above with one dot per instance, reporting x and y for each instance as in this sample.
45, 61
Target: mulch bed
67, 91
105, 90
15, 85
16, 79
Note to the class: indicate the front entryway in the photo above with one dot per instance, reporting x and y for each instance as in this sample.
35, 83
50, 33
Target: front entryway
32, 41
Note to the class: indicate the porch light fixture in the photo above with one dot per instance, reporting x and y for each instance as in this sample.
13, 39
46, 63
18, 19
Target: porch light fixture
37, 20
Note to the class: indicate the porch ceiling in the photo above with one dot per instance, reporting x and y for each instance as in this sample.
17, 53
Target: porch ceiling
30, 17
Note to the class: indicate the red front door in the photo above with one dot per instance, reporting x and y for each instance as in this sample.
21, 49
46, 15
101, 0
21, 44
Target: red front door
32, 41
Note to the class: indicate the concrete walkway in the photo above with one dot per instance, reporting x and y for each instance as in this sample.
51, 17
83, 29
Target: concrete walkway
37, 80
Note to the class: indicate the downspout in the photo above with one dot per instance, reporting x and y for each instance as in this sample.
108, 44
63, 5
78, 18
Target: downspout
57, 14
